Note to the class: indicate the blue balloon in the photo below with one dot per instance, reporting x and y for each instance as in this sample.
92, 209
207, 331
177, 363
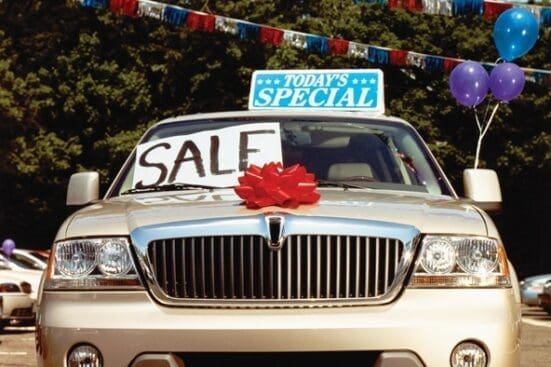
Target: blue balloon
515, 33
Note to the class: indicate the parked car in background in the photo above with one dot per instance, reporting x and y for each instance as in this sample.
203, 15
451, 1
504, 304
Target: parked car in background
531, 287
18, 275
16, 305
43, 255
28, 258
545, 297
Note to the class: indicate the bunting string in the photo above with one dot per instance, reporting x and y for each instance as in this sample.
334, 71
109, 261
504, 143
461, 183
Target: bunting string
489, 9
199, 21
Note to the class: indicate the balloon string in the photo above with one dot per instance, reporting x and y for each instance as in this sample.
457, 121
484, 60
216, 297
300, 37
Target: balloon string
482, 132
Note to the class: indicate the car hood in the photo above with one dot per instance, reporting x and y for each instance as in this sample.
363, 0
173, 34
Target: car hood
122, 215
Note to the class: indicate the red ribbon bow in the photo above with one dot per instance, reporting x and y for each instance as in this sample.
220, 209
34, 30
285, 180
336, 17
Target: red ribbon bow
273, 185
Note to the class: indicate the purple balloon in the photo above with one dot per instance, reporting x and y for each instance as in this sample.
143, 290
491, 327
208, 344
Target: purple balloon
506, 81
469, 83
8, 246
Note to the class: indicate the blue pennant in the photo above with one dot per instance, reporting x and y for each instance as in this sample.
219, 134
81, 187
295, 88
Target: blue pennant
380, 2
100, 4
467, 7
434, 64
174, 15
247, 30
545, 16
377, 55
317, 44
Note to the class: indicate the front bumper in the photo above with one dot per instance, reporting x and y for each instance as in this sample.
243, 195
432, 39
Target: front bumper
17, 308
427, 323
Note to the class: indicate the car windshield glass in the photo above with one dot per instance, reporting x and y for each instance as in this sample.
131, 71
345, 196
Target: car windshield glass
368, 153
23, 261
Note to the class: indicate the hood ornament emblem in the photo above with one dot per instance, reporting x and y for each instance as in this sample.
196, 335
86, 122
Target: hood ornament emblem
275, 224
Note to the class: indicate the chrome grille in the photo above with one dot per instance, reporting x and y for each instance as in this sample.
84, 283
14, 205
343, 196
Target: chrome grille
307, 267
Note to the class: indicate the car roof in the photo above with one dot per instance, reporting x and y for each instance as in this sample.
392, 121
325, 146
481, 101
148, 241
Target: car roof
282, 114
541, 277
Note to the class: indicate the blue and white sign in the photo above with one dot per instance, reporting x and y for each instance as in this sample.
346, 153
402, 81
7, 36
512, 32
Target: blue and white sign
337, 89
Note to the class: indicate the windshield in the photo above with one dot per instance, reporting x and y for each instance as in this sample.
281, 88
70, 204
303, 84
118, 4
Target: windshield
375, 154
24, 262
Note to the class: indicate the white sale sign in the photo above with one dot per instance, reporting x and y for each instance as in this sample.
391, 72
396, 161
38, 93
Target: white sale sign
212, 158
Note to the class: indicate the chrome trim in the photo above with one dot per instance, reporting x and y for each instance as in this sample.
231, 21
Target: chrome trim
294, 225
274, 227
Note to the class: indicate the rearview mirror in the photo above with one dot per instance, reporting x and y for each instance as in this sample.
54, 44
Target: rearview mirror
83, 188
482, 189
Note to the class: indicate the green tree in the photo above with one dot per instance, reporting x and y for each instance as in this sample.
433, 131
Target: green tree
79, 86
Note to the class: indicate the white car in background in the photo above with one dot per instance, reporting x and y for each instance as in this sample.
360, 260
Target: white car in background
23, 260
18, 275
16, 305
532, 287
26, 257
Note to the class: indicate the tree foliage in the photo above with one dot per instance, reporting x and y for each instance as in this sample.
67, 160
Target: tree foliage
79, 86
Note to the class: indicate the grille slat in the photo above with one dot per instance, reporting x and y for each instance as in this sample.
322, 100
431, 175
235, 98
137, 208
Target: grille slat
338, 270
377, 267
174, 287
232, 284
357, 269
347, 271
307, 267
261, 267
192, 266
387, 249
221, 267
203, 290
289, 249
299, 270
327, 267
367, 266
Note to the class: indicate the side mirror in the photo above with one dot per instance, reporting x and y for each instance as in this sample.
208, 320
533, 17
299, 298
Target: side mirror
482, 189
83, 188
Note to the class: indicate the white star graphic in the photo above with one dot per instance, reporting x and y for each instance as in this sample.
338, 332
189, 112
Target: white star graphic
260, 82
373, 81
354, 81
364, 81
268, 81
276, 82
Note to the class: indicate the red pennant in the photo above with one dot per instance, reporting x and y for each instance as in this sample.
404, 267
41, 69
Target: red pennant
201, 22
272, 36
412, 5
450, 64
124, 7
338, 46
493, 9
272, 185
398, 57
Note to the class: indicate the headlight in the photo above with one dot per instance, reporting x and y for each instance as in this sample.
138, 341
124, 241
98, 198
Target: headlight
26, 287
461, 261
92, 263
9, 288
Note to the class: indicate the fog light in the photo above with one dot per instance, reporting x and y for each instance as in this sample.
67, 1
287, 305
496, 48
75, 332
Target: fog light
468, 354
84, 355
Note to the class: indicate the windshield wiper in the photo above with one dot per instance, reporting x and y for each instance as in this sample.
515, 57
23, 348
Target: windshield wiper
340, 184
170, 187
